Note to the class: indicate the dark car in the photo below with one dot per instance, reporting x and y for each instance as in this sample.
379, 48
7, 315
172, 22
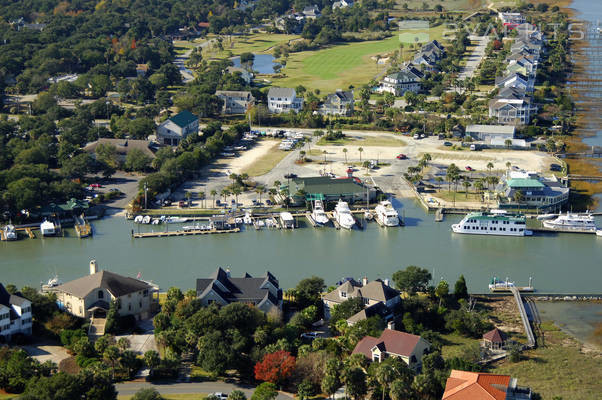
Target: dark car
290, 176
448, 144
268, 202
555, 167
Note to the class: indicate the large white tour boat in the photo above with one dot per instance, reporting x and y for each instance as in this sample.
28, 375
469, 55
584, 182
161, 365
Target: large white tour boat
386, 215
318, 214
570, 222
496, 222
343, 216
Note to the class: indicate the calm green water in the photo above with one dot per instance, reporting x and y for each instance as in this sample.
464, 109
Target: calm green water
558, 263
578, 319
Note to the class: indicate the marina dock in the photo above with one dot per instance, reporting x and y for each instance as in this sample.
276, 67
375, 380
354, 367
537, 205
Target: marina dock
439, 215
30, 233
2, 235
82, 227
140, 235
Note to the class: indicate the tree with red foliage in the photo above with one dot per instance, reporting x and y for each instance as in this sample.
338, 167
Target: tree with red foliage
275, 367
497, 45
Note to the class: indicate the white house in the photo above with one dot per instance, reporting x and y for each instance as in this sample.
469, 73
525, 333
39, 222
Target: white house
516, 80
408, 79
512, 107
15, 314
175, 129
235, 102
283, 99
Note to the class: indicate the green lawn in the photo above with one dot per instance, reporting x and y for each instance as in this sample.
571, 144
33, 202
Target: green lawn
255, 43
264, 164
342, 65
368, 141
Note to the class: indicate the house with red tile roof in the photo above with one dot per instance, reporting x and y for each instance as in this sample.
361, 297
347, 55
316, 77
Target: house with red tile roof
464, 385
410, 348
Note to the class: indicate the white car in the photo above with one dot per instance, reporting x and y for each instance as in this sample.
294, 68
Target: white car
220, 395
310, 335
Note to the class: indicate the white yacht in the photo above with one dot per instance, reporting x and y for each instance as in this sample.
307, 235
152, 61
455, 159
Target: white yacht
599, 232
9, 232
138, 219
146, 219
496, 222
318, 213
386, 215
342, 214
570, 222
47, 228
175, 220
287, 221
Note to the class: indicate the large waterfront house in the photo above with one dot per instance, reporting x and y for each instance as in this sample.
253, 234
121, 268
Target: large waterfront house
542, 193
123, 147
410, 348
516, 80
329, 190
371, 293
15, 314
235, 102
91, 295
511, 20
338, 103
464, 385
512, 107
408, 79
175, 129
221, 288
429, 56
488, 132
283, 99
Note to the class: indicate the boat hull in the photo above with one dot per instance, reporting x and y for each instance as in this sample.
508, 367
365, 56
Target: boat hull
457, 229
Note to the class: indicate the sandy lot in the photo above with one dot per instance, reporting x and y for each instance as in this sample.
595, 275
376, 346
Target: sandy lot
238, 164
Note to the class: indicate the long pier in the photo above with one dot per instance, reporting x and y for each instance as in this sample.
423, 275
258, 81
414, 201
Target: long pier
525, 318
140, 235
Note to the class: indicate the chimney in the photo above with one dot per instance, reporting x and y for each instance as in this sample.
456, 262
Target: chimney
228, 272
364, 280
93, 267
391, 325
386, 282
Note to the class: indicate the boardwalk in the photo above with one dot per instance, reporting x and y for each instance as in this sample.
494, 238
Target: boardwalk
139, 235
523, 314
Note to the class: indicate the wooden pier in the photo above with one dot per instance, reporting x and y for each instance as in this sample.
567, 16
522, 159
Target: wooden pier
523, 314
82, 227
2, 237
140, 235
310, 219
30, 233
439, 215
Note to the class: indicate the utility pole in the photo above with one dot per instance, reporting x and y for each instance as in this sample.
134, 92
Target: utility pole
145, 195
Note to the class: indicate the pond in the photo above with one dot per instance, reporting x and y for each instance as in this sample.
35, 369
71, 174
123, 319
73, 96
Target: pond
262, 64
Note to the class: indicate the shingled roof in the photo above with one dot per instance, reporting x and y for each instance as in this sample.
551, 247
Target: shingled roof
244, 289
117, 285
495, 336
390, 341
375, 290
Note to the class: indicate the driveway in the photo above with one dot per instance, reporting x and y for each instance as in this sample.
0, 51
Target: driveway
130, 388
47, 351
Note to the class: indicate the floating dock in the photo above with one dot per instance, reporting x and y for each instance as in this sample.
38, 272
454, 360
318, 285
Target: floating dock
82, 227
139, 235
439, 215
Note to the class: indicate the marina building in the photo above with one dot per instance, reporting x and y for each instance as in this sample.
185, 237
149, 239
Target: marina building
488, 132
410, 348
464, 385
534, 191
329, 189
371, 293
175, 129
91, 295
15, 314
221, 288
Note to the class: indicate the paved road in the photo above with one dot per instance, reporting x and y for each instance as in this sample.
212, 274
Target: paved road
190, 388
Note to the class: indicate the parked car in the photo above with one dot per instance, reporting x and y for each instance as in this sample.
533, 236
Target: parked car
290, 176
416, 136
448, 144
401, 157
310, 335
473, 147
95, 185
218, 203
166, 202
469, 168
555, 167
220, 395
114, 190
182, 204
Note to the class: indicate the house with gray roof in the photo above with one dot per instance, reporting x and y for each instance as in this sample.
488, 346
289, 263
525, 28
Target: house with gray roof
283, 100
15, 314
221, 288
175, 129
235, 101
338, 103
371, 293
512, 106
91, 295
408, 79
516, 80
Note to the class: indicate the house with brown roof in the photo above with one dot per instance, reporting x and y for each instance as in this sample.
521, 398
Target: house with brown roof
373, 292
221, 288
123, 147
91, 295
463, 385
495, 339
410, 348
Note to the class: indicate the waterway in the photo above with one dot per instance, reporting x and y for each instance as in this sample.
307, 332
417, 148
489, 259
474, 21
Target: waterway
564, 263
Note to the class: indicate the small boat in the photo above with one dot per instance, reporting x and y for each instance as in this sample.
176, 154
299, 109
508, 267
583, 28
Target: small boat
247, 218
138, 219
368, 215
52, 282
146, 220
599, 232
155, 221
318, 214
343, 216
497, 284
386, 215
9, 232
546, 216
287, 220
175, 220
47, 228
238, 221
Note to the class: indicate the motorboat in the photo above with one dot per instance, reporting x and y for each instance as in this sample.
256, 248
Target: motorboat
343, 216
496, 222
386, 215
52, 283
368, 215
497, 284
146, 219
175, 220
47, 228
138, 219
9, 232
155, 221
599, 232
544, 217
318, 214
247, 220
570, 222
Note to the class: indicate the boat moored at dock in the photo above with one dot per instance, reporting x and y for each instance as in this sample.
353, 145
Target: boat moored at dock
9, 232
342, 215
496, 222
47, 228
318, 214
569, 222
287, 220
386, 215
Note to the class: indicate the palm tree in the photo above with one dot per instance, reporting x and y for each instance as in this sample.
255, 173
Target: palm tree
213, 194
302, 155
439, 180
203, 196
508, 165
259, 190
236, 191
324, 152
508, 143
466, 184
384, 376
361, 149
478, 185
225, 193
345, 153
489, 166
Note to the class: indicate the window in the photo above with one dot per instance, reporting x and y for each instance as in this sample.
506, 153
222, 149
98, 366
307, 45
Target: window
140, 304
130, 307
145, 293
101, 294
343, 294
